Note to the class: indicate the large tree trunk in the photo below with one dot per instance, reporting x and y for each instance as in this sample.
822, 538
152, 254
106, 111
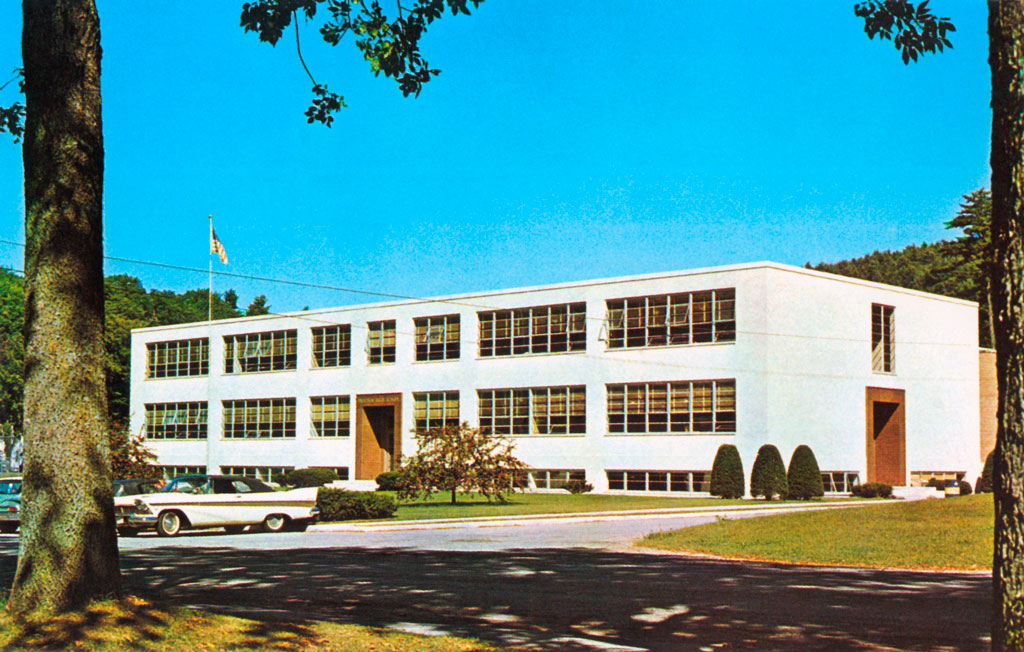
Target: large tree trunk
68, 552
1006, 40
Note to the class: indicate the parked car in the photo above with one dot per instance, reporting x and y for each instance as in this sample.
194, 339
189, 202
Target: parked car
10, 504
209, 501
136, 486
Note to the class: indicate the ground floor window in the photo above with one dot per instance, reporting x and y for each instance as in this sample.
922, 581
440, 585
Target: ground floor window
264, 473
921, 478
840, 482
171, 472
548, 478
683, 481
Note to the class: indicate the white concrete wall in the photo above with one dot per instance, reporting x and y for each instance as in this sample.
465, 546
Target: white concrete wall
801, 361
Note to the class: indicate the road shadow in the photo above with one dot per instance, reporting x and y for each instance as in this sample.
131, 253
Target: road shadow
566, 599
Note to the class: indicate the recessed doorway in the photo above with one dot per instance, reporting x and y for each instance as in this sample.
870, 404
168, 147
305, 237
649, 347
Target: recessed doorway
378, 434
886, 436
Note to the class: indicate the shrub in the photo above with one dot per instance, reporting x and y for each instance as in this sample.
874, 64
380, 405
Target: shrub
768, 477
985, 481
311, 477
389, 481
804, 476
965, 488
578, 486
936, 483
727, 473
873, 490
344, 505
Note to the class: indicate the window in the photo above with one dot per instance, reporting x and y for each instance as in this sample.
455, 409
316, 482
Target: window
841, 482
680, 481
921, 478
541, 329
175, 420
380, 342
178, 359
332, 346
548, 478
437, 338
259, 418
329, 416
883, 343
263, 473
665, 319
171, 472
435, 410
254, 352
677, 407
534, 410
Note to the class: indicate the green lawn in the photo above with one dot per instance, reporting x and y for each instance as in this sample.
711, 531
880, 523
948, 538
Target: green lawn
520, 504
953, 533
134, 624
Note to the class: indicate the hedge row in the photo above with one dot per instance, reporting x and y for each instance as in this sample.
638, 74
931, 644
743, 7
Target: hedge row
344, 505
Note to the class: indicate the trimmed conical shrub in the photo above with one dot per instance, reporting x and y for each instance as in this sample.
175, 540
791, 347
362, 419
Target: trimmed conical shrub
985, 481
768, 477
804, 476
727, 473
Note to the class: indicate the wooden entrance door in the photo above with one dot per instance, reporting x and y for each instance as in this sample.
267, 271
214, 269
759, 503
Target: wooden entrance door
886, 436
378, 434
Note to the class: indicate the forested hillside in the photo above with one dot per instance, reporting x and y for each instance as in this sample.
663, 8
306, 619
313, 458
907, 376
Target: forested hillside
128, 305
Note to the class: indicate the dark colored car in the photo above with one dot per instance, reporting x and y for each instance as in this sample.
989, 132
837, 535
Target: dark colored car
136, 486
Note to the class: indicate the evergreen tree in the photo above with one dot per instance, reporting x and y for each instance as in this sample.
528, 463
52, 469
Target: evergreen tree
768, 477
727, 473
804, 476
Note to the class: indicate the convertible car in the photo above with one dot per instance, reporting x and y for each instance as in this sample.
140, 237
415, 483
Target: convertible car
209, 501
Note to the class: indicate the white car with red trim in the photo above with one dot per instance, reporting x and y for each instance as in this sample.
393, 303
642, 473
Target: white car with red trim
210, 501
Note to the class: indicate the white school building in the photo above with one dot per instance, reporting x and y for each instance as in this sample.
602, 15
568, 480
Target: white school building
629, 383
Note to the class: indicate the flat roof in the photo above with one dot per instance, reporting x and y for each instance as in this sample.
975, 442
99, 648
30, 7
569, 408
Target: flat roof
457, 298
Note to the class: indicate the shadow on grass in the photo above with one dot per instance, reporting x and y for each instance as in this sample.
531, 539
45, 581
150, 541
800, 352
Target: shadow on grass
99, 623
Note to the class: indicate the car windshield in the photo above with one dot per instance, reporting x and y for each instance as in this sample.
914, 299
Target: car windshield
186, 486
10, 486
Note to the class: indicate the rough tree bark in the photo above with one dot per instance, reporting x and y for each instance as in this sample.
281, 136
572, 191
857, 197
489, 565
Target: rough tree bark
1006, 52
68, 548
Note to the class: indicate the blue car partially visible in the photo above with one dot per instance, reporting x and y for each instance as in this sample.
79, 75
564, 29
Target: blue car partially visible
10, 504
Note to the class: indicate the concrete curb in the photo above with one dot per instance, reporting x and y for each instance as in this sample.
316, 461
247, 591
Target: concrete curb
580, 517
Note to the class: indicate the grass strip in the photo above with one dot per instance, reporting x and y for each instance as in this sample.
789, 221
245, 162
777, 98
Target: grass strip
947, 534
135, 624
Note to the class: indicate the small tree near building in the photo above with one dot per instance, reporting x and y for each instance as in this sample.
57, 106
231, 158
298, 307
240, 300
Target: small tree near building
460, 458
727, 473
804, 476
768, 477
129, 457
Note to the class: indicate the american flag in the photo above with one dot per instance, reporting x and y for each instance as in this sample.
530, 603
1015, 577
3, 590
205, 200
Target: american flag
217, 248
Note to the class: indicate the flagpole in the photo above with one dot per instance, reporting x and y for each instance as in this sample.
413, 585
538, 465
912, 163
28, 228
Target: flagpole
209, 297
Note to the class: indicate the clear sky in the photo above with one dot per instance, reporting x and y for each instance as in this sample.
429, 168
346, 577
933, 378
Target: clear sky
562, 141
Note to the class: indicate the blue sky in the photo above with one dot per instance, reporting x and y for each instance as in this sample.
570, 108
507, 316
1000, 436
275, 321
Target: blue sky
562, 141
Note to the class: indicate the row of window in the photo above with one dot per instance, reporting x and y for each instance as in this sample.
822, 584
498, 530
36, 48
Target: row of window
660, 320
676, 407
264, 473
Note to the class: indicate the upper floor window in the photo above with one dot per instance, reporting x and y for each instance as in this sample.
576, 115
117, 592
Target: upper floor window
332, 346
259, 418
330, 416
252, 352
435, 410
883, 338
676, 407
540, 329
178, 358
437, 338
533, 410
664, 319
176, 420
380, 341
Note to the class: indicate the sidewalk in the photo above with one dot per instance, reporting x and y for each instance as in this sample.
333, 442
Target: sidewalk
754, 509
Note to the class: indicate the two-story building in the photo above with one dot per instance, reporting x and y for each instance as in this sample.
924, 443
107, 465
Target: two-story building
631, 383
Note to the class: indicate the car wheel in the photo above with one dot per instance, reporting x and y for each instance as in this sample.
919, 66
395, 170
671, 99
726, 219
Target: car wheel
275, 523
169, 524
234, 529
8, 528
